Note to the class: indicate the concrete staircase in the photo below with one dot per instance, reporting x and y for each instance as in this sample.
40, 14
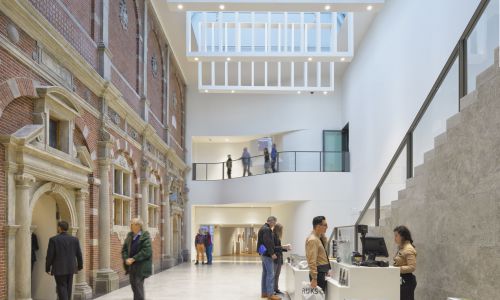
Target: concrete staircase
452, 204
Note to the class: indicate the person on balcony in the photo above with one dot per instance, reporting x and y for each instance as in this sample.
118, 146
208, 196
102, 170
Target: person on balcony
406, 260
274, 158
267, 161
246, 159
229, 166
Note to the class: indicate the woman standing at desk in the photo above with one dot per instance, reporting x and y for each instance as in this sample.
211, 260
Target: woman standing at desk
406, 260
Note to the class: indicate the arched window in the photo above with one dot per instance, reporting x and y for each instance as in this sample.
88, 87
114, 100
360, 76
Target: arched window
154, 201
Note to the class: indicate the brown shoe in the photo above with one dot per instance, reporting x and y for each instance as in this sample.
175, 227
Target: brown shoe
274, 297
264, 296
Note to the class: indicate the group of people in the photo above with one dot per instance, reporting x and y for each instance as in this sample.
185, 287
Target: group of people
270, 159
64, 259
271, 252
204, 245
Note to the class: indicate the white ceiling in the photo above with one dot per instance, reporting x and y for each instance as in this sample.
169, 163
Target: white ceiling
173, 22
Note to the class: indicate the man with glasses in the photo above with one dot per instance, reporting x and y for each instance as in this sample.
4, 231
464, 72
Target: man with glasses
317, 258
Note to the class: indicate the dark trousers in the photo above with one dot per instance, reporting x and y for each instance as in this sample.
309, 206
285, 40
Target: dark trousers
408, 285
273, 165
64, 286
277, 272
229, 173
321, 281
137, 283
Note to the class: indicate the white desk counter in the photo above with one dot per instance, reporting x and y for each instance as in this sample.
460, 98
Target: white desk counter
294, 279
364, 283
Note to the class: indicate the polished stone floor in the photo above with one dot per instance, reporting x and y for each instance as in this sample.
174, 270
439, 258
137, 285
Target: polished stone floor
227, 278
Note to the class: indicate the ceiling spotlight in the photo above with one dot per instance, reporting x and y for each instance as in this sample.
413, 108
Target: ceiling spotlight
327, 7
227, 140
310, 59
196, 59
325, 93
342, 59
369, 7
299, 92
228, 59
180, 7
206, 91
222, 7
232, 91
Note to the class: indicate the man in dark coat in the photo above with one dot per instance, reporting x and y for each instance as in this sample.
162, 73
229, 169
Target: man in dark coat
64, 258
137, 257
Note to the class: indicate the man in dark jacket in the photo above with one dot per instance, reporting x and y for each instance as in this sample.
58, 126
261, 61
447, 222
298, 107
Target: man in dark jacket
137, 257
229, 166
64, 258
265, 240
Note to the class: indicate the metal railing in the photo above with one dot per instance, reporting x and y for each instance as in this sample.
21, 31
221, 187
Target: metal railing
286, 161
463, 65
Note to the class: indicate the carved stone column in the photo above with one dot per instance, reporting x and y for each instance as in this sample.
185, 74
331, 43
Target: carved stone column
24, 182
106, 279
82, 289
145, 192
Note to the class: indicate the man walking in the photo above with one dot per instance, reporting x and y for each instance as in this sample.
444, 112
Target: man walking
137, 257
317, 259
246, 160
199, 243
64, 259
229, 165
266, 247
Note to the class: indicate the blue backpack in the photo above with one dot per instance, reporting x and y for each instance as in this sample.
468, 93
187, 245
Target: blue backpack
262, 249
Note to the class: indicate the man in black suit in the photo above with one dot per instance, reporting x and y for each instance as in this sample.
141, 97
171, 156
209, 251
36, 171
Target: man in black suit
64, 258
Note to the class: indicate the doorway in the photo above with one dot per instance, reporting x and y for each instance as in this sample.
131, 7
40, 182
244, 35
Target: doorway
48, 210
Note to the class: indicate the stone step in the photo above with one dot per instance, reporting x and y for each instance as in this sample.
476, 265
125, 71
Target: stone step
440, 139
429, 155
487, 74
467, 100
410, 182
419, 170
454, 121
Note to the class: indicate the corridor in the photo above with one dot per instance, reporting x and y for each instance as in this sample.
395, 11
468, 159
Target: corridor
229, 278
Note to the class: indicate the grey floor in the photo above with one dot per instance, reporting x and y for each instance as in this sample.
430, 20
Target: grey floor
227, 278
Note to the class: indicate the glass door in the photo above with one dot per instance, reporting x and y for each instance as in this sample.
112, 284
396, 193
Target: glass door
332, 148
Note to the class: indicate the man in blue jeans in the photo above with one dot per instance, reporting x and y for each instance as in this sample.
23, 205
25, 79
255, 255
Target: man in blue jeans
208, 247
266, 239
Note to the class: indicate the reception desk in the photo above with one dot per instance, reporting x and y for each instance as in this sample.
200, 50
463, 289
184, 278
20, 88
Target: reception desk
364, 283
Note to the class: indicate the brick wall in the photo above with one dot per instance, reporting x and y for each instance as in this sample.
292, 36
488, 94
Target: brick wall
177, 105
59, 16
155, 83
124, 43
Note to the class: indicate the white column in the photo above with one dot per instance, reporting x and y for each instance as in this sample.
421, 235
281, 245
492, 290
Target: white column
82, 289
23, 236
106, 279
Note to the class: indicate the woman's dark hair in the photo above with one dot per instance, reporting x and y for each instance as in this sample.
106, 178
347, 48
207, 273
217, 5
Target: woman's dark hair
404, 233
318, 220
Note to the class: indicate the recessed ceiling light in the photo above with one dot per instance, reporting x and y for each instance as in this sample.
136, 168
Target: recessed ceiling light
206, 91
310, 59
180, 7
222, 7
342, 59
228, 59
327, 7
196, 59
298, 92
369, 7
227, 140
325, 93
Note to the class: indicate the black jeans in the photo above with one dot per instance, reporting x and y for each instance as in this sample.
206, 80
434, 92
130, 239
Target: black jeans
136, 282
277, 272
321, 281
229, 173
64, 286
408, 285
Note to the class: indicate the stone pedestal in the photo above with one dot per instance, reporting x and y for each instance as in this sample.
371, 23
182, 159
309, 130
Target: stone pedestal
168, 262
106, 281
82, 291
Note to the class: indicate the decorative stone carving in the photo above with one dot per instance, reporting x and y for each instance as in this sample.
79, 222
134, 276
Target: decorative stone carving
57, 69
105, 135
149, 147
86, 95
121, 232
113, 115
153, 232
13, 33
154, 65
123, 14
122, 162
133, 133
144, 164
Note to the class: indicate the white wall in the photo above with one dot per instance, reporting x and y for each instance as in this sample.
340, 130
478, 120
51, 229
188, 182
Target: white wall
390, 76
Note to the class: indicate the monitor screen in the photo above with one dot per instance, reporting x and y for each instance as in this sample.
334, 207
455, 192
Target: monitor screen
375, 245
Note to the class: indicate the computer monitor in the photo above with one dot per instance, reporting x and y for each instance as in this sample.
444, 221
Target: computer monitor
374, 246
